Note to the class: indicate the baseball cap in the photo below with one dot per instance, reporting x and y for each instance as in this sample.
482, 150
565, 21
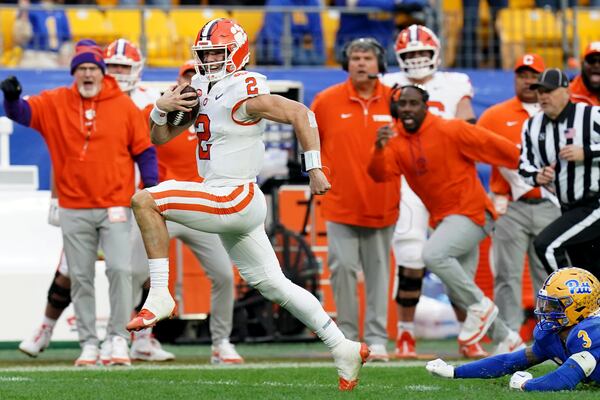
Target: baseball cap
592, 48
189, 65
532, 61
87, 51
552, 78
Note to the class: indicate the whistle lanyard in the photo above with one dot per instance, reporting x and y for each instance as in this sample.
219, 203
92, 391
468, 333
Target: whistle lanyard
87, 121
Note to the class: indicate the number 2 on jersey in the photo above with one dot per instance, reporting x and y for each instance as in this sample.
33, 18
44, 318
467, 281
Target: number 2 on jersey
202, 125
251, 87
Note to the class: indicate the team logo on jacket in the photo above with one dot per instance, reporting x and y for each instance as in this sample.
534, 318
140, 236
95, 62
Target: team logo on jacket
382, 118
576, 287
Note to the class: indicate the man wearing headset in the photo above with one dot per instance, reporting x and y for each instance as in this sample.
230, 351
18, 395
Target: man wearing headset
441, 169
360, 212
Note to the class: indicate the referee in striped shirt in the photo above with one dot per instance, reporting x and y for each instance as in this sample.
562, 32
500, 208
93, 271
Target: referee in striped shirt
561, 151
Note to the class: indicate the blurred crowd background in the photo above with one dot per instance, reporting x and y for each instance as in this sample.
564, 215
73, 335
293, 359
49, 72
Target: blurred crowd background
474, 34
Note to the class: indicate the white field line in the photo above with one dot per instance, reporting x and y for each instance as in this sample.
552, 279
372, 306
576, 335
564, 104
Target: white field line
391, 364
14, 379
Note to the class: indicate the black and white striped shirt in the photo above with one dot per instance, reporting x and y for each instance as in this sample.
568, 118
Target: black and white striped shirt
542, 139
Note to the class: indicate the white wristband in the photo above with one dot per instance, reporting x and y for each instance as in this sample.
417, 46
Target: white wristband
312, 159
158, 116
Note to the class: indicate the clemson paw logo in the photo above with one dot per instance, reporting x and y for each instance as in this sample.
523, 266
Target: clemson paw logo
238, 34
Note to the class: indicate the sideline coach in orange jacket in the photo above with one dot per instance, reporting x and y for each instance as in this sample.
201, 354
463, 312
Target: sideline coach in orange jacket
360, 212
438, 157
94, 132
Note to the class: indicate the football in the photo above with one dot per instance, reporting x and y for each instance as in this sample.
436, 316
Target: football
179, 118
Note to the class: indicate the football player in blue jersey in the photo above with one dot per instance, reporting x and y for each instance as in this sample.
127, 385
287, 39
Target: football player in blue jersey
567, 332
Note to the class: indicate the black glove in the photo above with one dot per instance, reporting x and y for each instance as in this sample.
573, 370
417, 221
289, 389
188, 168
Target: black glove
11, 88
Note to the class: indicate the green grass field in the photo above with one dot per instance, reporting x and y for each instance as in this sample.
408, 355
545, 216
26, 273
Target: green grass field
272, 371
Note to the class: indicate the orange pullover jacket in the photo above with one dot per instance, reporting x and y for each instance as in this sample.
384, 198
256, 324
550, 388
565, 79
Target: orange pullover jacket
91, 143
581, 94
348, 127
438, 162
506, 119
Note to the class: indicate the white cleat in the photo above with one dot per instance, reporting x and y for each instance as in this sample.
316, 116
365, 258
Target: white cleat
106, 351
349, 357
38, 342
158, 306
480, 317
147, 348
89, 356
378, 353
512, 342
225, 353
120, 352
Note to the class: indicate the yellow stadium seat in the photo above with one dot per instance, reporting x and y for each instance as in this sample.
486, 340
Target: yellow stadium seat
529, 30
7, 19
251, 21
588, 26
451, 5
330, 21
159, 35
186, 24
107, 3
126, 24
89, 23
521, 3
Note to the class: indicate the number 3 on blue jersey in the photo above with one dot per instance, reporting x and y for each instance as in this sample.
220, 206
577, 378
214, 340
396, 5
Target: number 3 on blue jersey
587, 342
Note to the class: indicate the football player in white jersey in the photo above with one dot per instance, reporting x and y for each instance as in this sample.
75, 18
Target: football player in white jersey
450, 93
229, 127
124, 61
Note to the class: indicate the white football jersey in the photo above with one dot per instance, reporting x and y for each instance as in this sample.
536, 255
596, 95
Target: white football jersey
230, 152
445, 90
143, 96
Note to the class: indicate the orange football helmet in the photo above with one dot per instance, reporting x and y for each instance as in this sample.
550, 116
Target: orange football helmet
123, 52
417, 38
221, 34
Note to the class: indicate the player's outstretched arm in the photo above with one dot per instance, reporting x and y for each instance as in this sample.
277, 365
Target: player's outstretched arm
279, 109
566, 377
171, 100
490, 367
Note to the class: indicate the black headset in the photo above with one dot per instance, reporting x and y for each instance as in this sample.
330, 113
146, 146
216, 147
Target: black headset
395, 96
381, 60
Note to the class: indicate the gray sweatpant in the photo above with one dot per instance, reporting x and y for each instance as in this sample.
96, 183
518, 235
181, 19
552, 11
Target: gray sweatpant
513, 238
209, 250
352, 249
82, 230
452, 253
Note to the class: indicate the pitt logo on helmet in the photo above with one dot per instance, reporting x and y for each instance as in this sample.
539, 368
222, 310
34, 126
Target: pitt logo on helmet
576, 287
568, 296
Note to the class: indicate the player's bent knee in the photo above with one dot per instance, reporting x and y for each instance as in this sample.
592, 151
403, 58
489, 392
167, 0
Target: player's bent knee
62, 280
410, 282
432, 257
275, 289
407, 302
59, 296
141, 200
